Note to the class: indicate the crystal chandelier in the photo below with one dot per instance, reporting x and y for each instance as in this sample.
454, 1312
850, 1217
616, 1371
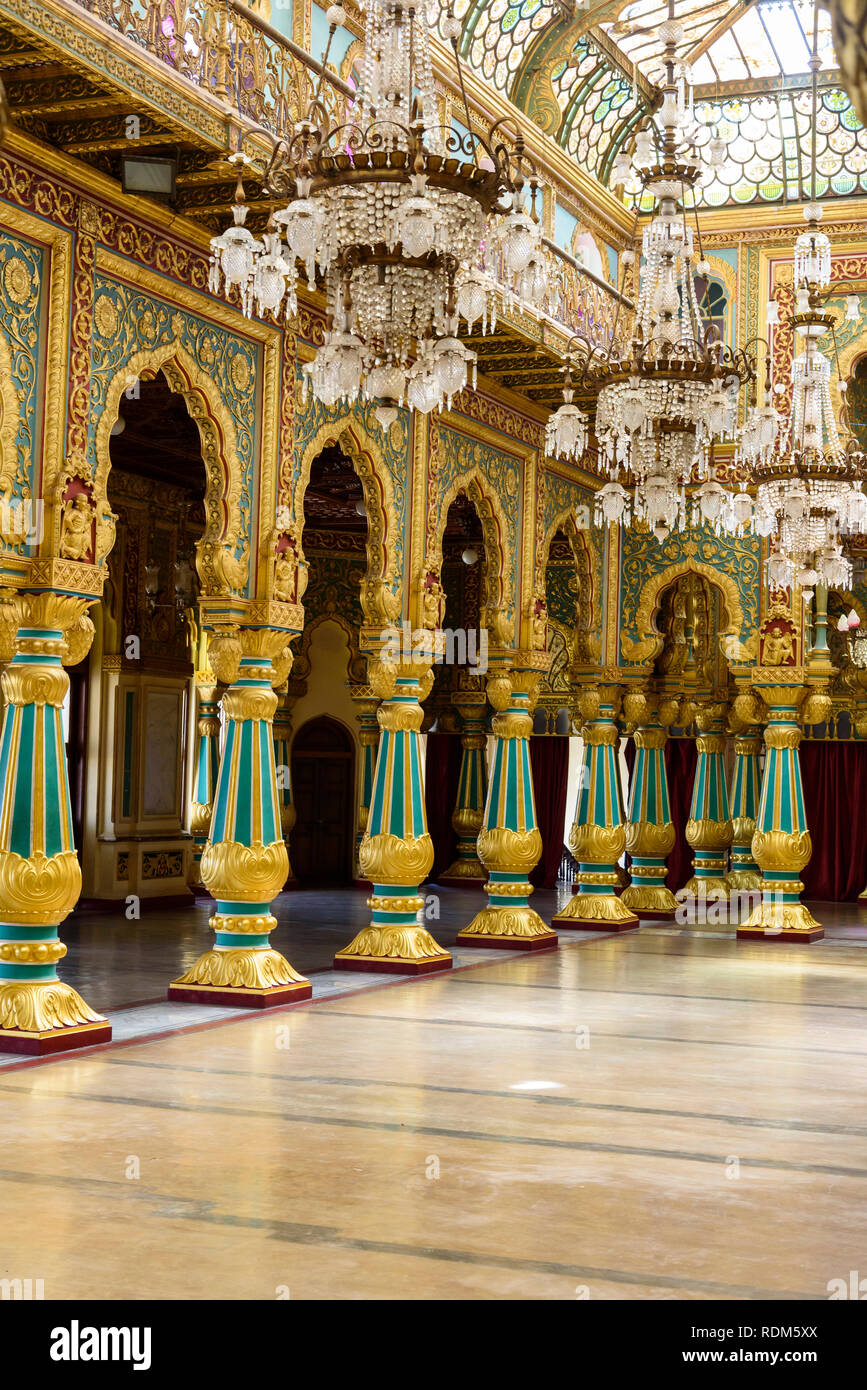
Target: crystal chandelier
398, 215
808, 483
809, 493
672, 391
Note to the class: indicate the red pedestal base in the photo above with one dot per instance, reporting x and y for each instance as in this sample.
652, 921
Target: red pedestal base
57, 1040
388, 966
573, 924
510, 943
804, 938
648, 918
241, 998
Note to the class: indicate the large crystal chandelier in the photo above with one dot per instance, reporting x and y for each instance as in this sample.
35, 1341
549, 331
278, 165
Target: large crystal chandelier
672, 391
808, 483
396, 213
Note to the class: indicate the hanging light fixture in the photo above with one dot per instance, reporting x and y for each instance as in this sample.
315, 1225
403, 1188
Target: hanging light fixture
566, 430
664, 397
398, 215
809, 493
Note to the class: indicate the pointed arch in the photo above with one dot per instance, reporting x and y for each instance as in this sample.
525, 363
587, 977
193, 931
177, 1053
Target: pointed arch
476, 489
381, 589
221, 569
645, 649
587, 559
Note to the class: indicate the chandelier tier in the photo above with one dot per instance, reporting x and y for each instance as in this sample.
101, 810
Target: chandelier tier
666, 396
397, 213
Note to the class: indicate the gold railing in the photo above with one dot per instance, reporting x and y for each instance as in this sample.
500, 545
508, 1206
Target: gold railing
581, 302
230, 52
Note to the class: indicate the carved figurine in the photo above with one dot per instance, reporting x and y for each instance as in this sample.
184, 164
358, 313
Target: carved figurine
540, 626
75, 535
432, 606
284, 576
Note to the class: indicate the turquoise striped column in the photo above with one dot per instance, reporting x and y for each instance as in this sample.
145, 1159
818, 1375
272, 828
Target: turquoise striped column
598, 835
369, 739
650, 833
244, 864
396, 851
282, 739
40, 878
467, 871
709, 828
745, 875
509, 843
205, 781
781, 844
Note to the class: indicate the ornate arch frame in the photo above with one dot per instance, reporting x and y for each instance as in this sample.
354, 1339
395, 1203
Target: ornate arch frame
301, 664
494, 528
378, 593
586, 557
646, 649
220, 571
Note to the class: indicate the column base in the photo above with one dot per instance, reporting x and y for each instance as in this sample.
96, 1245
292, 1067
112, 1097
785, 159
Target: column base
240, 997
781, 922
51, 1040
257, 977
391, 965
394, 950
465, 873
41, 1017
646, 901
596, 912
703, 887
511, 928
743, 880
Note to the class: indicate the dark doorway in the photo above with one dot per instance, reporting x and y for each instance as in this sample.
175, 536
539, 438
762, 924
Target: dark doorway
323, 770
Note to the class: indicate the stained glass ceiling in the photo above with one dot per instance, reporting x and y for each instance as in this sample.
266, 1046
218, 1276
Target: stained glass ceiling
587, 73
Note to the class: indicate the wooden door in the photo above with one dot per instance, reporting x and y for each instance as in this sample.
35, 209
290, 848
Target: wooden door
321, 846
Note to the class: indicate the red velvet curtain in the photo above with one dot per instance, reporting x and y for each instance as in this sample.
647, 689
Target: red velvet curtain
834, 777
680, 761
549, 760
442, 772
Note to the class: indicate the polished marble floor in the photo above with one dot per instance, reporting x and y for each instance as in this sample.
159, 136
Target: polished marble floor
114, 962
659, 1115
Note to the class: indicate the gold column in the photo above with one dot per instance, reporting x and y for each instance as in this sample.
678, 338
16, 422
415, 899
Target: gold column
244, 863
509, 842
207, 765
782, 845
40, 877
650, 834
709, 828
368, 737
745, 875
397, 852
469, 810
598, 834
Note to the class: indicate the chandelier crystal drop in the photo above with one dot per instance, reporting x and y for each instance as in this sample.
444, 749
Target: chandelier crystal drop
400, 217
